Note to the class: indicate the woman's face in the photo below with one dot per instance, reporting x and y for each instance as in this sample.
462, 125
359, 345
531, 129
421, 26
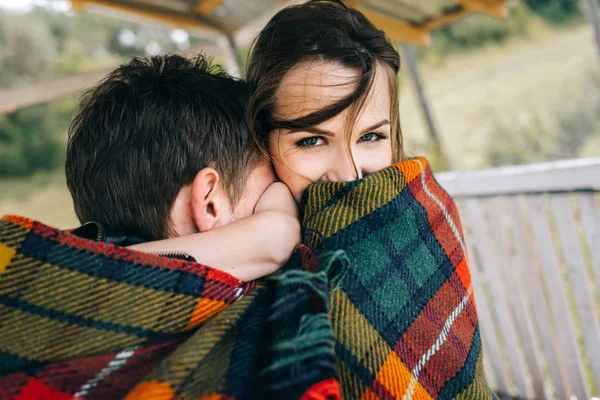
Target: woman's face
322, 154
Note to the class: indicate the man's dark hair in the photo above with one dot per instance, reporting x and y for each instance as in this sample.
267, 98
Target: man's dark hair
145, 131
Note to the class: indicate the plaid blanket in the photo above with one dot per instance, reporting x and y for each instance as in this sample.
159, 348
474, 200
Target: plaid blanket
376, 303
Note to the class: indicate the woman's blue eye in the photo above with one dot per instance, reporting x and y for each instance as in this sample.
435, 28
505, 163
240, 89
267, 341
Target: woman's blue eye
370, 137
310, 141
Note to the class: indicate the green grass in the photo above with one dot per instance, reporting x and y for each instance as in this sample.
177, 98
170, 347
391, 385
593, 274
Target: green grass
477, 97
21, 188
43, 196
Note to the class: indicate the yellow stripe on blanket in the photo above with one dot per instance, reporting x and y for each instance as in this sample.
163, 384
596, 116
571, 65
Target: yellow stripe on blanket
6, 254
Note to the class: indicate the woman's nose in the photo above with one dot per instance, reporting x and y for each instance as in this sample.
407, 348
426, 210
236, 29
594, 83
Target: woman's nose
343, 170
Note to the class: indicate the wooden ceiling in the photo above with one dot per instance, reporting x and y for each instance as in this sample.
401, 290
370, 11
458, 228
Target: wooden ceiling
403, 20
235, 23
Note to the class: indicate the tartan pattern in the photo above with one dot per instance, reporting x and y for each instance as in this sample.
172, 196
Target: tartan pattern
84, 318
377, 303
403, 314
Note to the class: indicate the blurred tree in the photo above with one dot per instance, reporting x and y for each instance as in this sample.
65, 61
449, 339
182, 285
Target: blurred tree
45, 43
478, 30
33, 138
26, 48
556, 11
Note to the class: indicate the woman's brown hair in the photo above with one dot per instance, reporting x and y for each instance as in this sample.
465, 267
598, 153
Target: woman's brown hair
322, 30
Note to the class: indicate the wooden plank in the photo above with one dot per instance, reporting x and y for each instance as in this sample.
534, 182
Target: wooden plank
537, 212
396, 30
207, 7
591, 229
482, 307
42, 92
512, 275
488, 368
532, 287
446, 19
567, 175
495, 8
172, 18
583, 292
410, 11
486, 325
489, 266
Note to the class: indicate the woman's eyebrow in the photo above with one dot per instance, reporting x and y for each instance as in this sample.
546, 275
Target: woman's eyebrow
375, 126
314, 130
324, 132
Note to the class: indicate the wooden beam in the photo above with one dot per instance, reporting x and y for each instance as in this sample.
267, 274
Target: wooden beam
207, 7
231, 55
495, 8
582, 174
446, 19
42, 92
396, 30
173, 19
354, 3
438, 153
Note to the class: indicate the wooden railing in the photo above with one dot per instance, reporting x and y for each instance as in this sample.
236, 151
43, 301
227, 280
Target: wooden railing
533, 237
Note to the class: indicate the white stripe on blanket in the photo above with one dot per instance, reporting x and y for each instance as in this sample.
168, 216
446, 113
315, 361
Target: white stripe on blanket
436, 346
446, 213
119, 360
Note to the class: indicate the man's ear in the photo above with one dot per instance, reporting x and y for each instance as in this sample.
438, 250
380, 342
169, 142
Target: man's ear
209, 201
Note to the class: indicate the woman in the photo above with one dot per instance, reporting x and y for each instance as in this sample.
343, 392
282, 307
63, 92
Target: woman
325, 108
387, 310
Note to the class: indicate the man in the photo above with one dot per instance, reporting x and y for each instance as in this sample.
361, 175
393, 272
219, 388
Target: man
160, 149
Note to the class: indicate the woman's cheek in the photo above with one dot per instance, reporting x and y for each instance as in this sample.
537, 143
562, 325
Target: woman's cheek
286, 175
374, 158
299, 171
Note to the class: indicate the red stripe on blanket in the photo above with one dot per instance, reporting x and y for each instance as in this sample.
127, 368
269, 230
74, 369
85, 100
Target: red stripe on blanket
328, 389
422, 335
35, 390
124, 254
443, 217
23, 222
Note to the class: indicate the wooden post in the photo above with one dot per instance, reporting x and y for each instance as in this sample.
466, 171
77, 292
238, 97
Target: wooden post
591, 8
231, 55
440, 159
